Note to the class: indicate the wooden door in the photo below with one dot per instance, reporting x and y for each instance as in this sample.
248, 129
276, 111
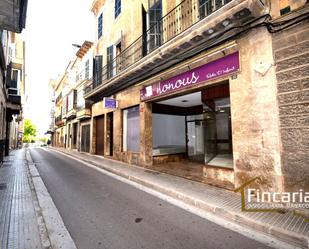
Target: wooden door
85, 138
109, 134
100, 136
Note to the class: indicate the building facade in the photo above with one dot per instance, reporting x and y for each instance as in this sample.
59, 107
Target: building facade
215, 91
72, 112
12, 72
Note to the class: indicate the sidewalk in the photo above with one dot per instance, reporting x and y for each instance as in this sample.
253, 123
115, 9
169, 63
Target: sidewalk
225, 204
21, 225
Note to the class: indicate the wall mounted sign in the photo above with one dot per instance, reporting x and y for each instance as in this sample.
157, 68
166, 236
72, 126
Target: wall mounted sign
212, 70
109, 103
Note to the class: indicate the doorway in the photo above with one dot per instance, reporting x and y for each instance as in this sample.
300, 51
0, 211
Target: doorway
85, 138
201, 122
74, 139
100, 135
109, 133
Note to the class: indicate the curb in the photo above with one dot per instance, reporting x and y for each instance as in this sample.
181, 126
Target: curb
59, 236
280, 234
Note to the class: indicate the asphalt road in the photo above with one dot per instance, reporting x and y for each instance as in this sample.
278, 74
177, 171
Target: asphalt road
102, 212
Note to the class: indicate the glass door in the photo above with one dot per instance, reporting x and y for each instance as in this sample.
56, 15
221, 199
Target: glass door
202, 136
210, 135
195, 136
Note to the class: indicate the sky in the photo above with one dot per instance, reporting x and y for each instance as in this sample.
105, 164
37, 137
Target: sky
51, 29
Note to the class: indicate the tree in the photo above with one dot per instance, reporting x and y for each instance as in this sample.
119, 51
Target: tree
29, 131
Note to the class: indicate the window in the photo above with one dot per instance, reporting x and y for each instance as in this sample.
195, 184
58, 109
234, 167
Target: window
80, 100
118, 56
87, 69
109, 60
131, 129
71, 100
205, 8
100, 25
97, 70
64, 105
284, 6
155, 31
117, 8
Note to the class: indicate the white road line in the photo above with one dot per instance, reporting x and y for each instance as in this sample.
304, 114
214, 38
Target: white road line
60, 237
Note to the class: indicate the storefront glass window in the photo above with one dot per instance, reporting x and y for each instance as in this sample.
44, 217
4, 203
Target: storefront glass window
131, 129
169, 134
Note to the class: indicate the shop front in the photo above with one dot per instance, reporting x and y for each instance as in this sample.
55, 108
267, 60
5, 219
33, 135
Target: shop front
191, 122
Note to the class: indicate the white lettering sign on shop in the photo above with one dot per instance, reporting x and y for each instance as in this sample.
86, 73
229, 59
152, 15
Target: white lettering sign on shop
179, 83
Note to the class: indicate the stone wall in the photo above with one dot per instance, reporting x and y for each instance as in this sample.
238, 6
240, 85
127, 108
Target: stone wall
254, 108
291, 50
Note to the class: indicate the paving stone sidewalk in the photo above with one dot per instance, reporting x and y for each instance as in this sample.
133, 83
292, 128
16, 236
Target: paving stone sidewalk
223, 203
19, 219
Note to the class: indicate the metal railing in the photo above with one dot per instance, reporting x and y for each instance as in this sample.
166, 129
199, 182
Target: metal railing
179, 19
82, 75
58, 119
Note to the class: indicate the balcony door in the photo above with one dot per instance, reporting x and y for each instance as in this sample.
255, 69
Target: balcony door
85, 138
155, 26
109, 60
97, 70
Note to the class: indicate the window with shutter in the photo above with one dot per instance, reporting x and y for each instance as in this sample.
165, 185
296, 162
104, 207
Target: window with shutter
87, 70
155, 31
110, 62
117, 8
97, 70
100, 25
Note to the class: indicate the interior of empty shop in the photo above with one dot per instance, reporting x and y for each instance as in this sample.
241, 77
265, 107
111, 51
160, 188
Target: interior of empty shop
193, 130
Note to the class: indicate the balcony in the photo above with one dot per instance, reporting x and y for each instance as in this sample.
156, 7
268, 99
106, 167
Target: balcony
59, 121
186, 30
17, 63
13, 15
59, 99
83, 76
14, 104
84, 113
15, 99
71, 114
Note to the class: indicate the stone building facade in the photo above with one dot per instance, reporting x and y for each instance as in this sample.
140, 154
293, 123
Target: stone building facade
291, 53
214, 91
71, 112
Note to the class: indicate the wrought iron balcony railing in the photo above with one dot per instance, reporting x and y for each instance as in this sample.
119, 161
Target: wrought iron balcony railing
82, 75
58, 120
179, 19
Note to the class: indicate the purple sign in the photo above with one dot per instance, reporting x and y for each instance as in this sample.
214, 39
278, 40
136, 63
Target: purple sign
109, 103
212, 70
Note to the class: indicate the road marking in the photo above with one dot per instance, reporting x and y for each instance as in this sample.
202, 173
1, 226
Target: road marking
58, 233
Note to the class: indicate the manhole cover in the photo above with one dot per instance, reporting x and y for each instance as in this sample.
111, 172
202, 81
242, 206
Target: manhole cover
151, 172
2, 186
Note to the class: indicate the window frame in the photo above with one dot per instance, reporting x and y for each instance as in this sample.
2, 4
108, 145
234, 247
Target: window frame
125, 130
117, 8
100, 25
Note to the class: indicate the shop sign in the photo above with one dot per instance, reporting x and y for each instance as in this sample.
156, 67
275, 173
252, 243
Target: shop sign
109, 103
222, 67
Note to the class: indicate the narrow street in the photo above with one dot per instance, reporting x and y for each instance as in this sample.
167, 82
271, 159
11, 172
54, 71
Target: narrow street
102, 212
